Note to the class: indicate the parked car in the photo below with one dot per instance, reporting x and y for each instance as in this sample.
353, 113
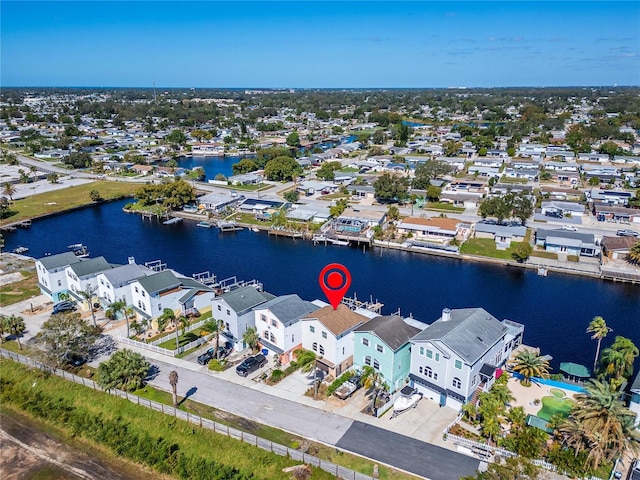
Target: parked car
347, 389
74, 359
251, 364
627, 233
64, 306
210, 354
554, 214
569, 227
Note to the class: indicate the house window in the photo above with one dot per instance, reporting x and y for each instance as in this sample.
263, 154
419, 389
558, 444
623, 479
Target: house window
428, 372
101, 282
265, 334
136, 289
321, 350
365, 342
228, 312
315, 346
437, 357
139, 304
263, 317
272, 337
474, 380
274, 323
380, 348
312, 329
458, 364
324, 334
219, 308
435, 376
59, 283
343, 350
456, 382
159, 307
376, 364
144, 294
367, 360
421, 351
227, 325
429, 354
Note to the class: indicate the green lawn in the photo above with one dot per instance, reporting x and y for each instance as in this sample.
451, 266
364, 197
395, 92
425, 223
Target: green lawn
485, 247
513, 180
66, 199
544, 254
170, 343
555, 406
442, 206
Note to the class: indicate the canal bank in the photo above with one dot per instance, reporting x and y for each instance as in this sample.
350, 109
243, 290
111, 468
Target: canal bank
555, 309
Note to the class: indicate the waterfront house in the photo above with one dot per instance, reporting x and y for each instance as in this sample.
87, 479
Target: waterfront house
617, 247
384, 344
278, 324
81, 276
460, 354
329, 333
52, 277
251, 178
566, 241
219, 202
235, 309
153, 293
634, 401
503, 235
114, 284
435, 229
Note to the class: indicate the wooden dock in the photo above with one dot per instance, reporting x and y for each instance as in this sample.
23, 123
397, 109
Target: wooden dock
228, 226
11, 227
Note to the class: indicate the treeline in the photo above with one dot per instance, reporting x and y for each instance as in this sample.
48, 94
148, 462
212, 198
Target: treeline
155, 451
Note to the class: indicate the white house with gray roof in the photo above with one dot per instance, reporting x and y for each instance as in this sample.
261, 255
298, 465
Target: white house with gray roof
81, 276
153, 293
115, 284
52, 276
278, 324
461, 353
235, 309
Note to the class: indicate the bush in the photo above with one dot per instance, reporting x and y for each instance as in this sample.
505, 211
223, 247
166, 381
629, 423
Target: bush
276, 376
339, 381
218, 365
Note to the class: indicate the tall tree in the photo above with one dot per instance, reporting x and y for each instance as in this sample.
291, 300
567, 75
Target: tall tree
215, 326
168, 316
173, 381
373, 381
119, 306
88, 293
15, 326
530, 364
618, 360
599, 330
8, 190
250, 338
65, 335
634, 253
126, 370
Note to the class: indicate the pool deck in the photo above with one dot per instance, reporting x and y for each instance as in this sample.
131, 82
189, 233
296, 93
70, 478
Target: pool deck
525, 396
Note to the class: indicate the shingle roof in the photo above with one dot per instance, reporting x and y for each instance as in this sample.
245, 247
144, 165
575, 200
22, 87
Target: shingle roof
470, 332
90, 266
126, 273
289, 308
60, 260
337, 321
159, 281
391, 329
244, 298
542, 234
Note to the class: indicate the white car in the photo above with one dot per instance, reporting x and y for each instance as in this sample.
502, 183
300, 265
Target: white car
569, 227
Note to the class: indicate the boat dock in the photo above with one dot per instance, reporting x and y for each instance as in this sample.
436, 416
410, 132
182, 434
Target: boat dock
172, 221
204, 224
228, 226
11, 227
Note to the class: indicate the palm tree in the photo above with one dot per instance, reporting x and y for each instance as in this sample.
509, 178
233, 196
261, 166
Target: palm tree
373, 380
618, 360
601, 424
215, 326
4, 327
88, 294
634, 253
116, 307
530, 364
168, 316
173, 381
250, 338
8, 190
15, 325
180, 321
599, 329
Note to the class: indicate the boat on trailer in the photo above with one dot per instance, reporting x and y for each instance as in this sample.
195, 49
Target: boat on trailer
79, 250
408, 398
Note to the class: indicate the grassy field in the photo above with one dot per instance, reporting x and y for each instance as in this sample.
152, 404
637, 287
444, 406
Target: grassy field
544, 254
191, 440
442, 206
66, 199
20, 290
485, 247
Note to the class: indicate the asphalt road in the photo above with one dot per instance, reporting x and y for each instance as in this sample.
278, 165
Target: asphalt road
403, 452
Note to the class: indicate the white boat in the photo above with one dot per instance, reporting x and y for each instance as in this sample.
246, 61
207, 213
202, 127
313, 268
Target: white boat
79, 250
204, 224
335, 241
20, 250
255, 229
408, 398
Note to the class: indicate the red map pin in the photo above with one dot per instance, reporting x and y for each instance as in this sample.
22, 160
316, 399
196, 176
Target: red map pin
335, 280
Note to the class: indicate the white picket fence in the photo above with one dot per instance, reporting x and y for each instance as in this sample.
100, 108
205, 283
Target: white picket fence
297, 455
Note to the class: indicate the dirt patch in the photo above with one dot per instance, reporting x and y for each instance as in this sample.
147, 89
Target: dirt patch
28, 452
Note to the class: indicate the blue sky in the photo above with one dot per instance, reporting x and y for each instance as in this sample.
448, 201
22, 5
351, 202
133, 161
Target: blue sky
328, 44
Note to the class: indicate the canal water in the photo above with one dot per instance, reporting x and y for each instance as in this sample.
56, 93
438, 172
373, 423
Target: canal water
212, 166
555, 309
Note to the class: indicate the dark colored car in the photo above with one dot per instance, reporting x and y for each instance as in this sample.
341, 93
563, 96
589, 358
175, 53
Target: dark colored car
64, 306
74, 359
210, 354
251, 364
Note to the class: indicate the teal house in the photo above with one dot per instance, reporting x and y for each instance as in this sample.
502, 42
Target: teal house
383, 343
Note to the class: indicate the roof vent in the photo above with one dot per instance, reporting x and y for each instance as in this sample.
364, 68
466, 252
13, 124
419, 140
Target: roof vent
446, 314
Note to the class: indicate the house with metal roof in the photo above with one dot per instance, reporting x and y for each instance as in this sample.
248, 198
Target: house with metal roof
235, 309
567, 241
329, 333
434, 229
52, 276
81, 276
278, 324
384, 343
153, 293
460, 354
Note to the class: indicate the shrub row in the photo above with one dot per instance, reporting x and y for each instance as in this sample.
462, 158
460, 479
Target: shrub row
339, 381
